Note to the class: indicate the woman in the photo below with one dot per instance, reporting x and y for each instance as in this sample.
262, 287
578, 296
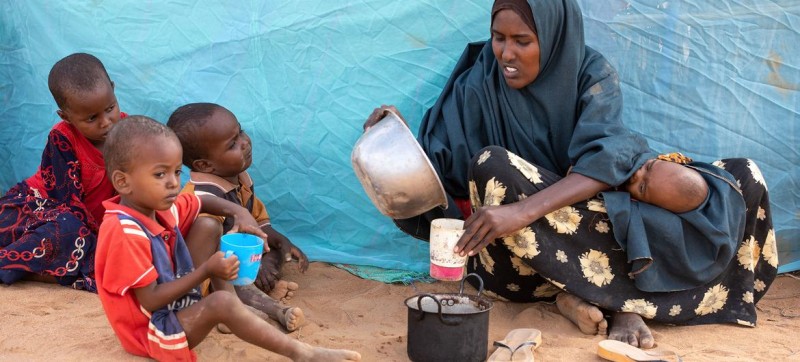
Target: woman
549, 107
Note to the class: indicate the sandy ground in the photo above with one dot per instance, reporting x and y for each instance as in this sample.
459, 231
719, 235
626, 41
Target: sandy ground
43, 322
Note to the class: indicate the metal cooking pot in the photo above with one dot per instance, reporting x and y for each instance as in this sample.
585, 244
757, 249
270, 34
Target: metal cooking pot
448, 327
394, 170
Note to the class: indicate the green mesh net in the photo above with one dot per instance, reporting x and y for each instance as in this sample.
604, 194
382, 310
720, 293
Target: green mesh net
386, 275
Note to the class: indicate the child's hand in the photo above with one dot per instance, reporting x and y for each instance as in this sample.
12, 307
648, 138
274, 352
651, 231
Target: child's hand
218, 266
276, 240
243, 222
290, 252
268, 275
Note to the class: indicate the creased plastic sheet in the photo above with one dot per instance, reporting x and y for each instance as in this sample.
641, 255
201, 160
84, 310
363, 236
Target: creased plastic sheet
711, 79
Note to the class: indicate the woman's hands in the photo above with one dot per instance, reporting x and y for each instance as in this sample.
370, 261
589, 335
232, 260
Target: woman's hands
379, 113
489, 223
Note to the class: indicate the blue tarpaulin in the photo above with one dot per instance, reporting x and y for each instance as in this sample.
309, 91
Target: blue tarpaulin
710, 79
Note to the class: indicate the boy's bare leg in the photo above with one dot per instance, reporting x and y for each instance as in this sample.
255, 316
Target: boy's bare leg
290, 318
203, 241
198, 319
586, 316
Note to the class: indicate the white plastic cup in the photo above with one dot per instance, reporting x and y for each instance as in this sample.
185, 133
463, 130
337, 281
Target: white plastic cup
445, 264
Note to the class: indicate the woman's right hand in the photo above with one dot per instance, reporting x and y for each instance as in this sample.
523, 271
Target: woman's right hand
487, 224
379, 113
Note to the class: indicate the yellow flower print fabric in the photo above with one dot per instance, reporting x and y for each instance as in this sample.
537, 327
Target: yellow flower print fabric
573, 249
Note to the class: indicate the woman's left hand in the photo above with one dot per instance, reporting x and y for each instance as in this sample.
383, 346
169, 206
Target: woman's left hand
378, 114
489, 223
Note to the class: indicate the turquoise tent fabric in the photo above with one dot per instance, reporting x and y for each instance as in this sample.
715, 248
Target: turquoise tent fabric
710, 79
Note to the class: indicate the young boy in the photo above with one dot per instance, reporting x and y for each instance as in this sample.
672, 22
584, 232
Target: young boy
218, 152
147, 283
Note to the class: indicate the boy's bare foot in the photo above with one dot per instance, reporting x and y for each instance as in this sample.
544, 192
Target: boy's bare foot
587, 317
283, 291
631, 329
310, 353
291, 318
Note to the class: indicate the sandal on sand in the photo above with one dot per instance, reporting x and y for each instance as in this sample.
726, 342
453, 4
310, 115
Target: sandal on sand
517, 346
622, 352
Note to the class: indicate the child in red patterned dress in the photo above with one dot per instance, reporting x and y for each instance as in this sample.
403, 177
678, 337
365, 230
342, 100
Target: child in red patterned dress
48, 223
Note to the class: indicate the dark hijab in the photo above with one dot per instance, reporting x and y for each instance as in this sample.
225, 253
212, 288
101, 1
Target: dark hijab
569, 116
521, 7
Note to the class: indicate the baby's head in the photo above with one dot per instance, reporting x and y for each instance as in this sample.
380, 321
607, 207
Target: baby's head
668, 185
212, 138
143, 161
85, 96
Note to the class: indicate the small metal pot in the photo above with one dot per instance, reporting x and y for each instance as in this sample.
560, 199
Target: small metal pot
395, 172
448, 327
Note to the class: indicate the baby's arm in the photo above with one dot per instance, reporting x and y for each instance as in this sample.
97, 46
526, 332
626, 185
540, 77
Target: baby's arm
154, 296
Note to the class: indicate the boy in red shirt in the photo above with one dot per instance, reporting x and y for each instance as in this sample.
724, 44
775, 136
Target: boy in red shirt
146, 281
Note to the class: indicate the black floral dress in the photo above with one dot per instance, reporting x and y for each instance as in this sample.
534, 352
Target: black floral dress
573, 249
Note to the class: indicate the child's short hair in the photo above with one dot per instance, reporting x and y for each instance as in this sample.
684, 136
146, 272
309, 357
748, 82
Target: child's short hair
79, 72
126, 136
185, 122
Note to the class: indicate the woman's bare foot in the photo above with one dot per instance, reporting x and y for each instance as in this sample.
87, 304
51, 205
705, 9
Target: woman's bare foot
283, 291
631, 329
587, 317
310, 353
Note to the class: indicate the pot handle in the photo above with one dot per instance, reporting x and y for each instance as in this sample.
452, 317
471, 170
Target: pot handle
480, 283
438, 303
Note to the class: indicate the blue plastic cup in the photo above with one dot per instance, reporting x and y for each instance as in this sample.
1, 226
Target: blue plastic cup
248, 248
